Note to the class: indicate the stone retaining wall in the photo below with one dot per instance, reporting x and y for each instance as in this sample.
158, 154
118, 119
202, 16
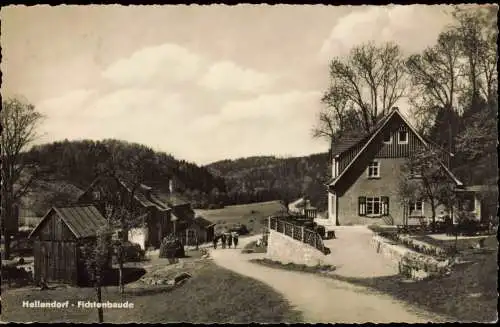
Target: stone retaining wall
284, 249
410, 263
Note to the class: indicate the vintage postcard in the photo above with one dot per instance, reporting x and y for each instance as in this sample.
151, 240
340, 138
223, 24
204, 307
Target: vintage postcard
249, 164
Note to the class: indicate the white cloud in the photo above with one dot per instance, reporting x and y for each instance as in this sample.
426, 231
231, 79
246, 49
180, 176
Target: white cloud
268, 124
159, 64
226, 75
65, 105
413, 27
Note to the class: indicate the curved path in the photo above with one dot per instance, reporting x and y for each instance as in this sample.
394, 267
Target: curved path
321, 299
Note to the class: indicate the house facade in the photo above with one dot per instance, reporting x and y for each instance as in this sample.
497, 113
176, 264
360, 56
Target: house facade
366, 172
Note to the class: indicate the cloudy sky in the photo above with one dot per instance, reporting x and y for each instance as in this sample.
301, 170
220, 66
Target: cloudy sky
203, 83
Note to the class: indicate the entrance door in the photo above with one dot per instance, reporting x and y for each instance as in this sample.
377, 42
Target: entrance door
332, 206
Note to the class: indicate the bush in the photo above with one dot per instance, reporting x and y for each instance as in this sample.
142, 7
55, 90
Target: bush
132, 252
241, 229
171, 247
321, 231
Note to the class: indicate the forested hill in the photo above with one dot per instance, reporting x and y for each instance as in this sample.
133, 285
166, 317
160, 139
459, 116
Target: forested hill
268, 178
77, 163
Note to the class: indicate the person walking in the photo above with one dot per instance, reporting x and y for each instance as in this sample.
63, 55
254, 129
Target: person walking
235, 240
223, 240
229, 240
215, 240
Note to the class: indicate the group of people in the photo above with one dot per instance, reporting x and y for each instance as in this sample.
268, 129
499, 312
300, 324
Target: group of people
227, 239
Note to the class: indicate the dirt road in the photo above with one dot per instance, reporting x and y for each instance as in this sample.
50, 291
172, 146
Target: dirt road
321, 299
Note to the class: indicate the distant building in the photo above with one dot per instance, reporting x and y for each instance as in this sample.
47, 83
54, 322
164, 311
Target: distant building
159, 213
303, 207
199, 231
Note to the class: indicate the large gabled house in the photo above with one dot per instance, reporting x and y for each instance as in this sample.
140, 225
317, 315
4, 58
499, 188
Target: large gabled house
366, 170
154, 209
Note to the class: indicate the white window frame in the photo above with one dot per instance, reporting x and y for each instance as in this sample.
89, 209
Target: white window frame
370, 167
96, 195
414, 211
399, 137
414, 174
371, 200
390, 139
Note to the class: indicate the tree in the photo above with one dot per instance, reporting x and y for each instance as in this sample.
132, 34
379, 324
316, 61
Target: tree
20, 121
424, 178
97, 258
436, 77
371, 81
121, 209
477, 30
338, 118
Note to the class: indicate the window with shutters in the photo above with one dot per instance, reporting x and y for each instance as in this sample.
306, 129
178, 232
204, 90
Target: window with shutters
374, 206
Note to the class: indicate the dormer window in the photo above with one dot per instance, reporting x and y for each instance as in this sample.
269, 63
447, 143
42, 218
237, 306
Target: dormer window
403, 137
374, 169
387, 138
96, 195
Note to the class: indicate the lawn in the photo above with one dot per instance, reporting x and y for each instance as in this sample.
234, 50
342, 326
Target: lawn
253, 215
469, 294
213, 294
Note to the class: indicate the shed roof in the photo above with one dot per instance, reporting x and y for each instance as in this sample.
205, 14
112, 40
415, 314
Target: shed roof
171, 199
205, 223
82, 221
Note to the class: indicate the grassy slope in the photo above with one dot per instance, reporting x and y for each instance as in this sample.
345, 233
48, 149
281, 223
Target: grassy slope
252, 215
213, 294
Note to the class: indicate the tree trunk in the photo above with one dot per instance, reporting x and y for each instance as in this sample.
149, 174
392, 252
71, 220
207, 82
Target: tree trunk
6, 244
433, 207
6, 222
100, 314
120, 273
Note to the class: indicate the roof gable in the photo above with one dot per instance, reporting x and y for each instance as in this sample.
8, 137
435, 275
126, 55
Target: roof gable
369, 138
82, 221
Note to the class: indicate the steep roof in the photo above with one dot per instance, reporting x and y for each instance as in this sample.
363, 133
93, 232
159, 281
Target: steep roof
184, 212
346, 143
366, 140
170, 199
205, 223
82, 221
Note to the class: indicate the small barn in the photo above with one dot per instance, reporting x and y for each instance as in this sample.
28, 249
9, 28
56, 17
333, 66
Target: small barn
57, 240
199, 231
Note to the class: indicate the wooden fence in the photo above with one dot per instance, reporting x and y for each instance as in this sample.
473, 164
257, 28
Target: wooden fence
297, 232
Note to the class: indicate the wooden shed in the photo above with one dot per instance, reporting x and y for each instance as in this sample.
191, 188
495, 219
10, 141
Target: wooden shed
57, 240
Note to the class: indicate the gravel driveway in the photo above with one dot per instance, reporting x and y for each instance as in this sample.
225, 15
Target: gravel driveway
323, 299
